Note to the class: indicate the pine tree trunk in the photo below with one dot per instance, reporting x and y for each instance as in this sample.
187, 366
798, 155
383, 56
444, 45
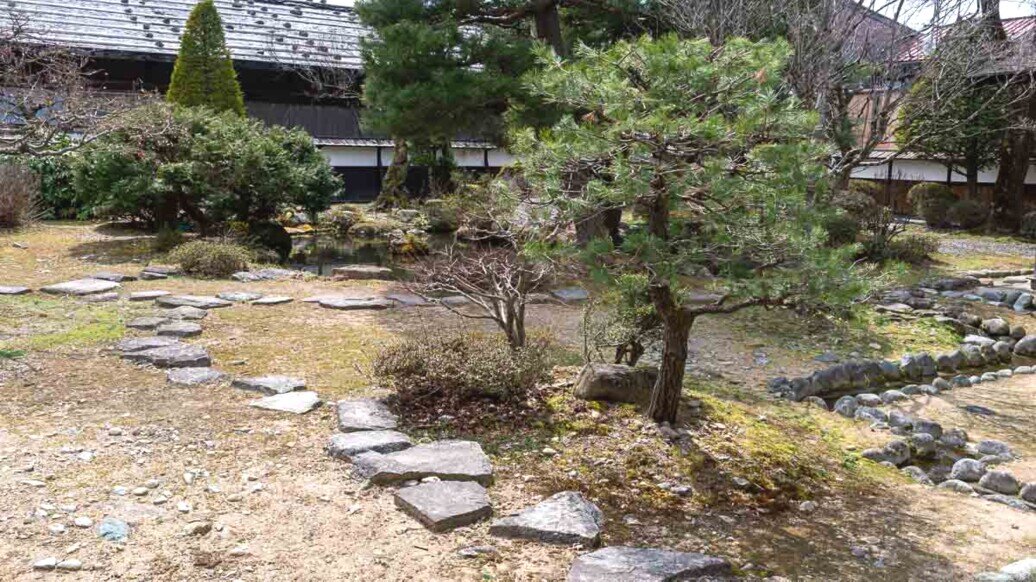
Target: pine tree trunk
971, 173
1010, 180
393, 187
665, 398
548, 26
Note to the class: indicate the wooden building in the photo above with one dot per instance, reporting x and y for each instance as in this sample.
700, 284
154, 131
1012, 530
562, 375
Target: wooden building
281, 49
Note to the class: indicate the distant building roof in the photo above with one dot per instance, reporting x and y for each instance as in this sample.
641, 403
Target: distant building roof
288, 32
1019, 33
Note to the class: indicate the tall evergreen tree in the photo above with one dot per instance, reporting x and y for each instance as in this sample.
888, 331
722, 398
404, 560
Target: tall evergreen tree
204, 72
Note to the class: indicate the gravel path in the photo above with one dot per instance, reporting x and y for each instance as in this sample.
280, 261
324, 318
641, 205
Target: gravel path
967, 246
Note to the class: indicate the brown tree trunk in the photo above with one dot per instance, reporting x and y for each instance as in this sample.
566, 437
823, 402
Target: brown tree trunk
971, 175
393, 186
665, 397
1015, 152
548, 26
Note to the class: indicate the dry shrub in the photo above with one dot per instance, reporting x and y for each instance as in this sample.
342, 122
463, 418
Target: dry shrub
453, 368
211, 259
19, 195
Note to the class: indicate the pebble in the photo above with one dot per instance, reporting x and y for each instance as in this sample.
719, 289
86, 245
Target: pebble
120, 490
183, 507
70, 565
198, 528
238, 551
83, 521
45, 564
56, 528
139, 491
808, 506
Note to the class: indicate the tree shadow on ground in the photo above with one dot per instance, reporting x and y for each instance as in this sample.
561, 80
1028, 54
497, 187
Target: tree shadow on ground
115, 251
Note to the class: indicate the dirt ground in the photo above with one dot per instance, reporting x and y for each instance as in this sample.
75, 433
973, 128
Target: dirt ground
283, 510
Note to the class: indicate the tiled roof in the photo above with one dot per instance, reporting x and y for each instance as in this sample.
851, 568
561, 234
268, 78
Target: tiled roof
291, 32
1018, 30
387, 143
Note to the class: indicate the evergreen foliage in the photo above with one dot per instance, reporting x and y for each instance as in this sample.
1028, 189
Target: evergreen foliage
204, 72
719, 163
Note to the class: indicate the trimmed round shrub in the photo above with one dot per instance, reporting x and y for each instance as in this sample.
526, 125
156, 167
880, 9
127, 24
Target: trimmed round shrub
932, 202
911, 248
842, 229
451, 368
210, 259
857, 205
967, 214
1028, 226
871, 188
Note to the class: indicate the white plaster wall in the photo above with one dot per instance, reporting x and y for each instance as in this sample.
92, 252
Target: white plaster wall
927, 171
367, 157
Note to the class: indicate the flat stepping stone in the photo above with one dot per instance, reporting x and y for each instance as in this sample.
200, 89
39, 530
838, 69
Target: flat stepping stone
152, 276
445, 505
147, 322
111, 276
272, 300
138, 344
353, 304
196, 301
147, 295
179, 329
319, 298
163, 269
175, 356
80, 287
187, 312
193, 376
239, 296
270, 385
447, 460
101, 297
562, 518
361, 272
408, 299
626, 564
294, 402
571, 294
13, 290
347, 445
364, 414
246, 277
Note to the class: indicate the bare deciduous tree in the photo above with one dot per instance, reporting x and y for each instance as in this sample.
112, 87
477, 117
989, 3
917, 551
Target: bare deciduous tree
48, 105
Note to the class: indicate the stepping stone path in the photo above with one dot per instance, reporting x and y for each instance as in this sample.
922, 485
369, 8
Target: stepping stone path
193, 376
270, 385
364, 414
447, 460
174, 356
625, 564
138, 344
354, 304
346, 445
294, 402
563, 518
186, 312
114, 277
571, 294
147, 295
272, 300
239, 296
147, 322
13, 290
101, 297
361, 272
162, 271
80, 287
445, 505
179, 329
196, 301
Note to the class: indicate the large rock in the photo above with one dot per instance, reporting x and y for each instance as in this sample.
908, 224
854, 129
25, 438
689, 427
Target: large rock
1021, 571
174, 356
354, 304
616, 383
81, 287
139, 344
13, 290
996, 326
179, 329
293, 402
1028, 492
1001, 482
563, 518
270, 385
196, 301
626, 564
447, 460
968, 470
994, 447
346, 445
361, 272
186, 312
871, 414
193, 376
114, 277
445, 505
896, 452
846, 406
973, 357
1026, 346
364, 414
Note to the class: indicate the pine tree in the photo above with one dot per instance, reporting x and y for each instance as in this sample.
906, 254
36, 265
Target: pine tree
204, 73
